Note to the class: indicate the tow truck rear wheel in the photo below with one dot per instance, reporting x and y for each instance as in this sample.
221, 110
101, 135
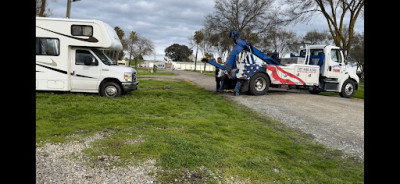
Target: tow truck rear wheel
348, 89
259, 84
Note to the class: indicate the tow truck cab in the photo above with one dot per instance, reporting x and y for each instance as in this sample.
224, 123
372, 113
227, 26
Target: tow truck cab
335, 75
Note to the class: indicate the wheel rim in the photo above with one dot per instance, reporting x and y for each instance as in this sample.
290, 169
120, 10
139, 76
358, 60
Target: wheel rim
348, 89
111, 91
260, 84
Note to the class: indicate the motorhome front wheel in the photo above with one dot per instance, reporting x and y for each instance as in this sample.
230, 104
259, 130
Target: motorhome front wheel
111, 89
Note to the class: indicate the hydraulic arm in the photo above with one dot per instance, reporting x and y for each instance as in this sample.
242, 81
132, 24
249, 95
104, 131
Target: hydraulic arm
233, 57
239, 47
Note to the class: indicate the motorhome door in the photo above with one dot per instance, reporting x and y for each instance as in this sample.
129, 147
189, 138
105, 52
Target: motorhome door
85, 70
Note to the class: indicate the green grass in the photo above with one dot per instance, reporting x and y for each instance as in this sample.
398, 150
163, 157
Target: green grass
157, 73
209, 73
147, 71
186, 129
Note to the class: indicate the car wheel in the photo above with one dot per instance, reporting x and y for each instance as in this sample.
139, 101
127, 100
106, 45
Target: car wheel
111, 89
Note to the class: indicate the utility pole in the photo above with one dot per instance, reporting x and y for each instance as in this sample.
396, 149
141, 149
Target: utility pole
130, 54
69, 7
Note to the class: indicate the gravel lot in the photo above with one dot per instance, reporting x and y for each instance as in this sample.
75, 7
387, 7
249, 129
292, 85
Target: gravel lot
65, 163
335, 122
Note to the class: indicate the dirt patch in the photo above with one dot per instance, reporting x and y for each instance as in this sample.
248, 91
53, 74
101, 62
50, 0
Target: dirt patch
65, 163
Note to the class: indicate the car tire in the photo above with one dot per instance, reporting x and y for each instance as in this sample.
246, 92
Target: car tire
110, 89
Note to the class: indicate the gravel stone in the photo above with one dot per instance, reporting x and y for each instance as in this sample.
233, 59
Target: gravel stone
65, 163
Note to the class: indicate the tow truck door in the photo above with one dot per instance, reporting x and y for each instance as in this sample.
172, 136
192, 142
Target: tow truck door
334, 63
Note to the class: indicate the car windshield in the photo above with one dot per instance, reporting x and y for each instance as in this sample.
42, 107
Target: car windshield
103, 57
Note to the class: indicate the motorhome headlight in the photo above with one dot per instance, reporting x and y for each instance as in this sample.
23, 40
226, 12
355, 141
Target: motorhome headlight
128, 76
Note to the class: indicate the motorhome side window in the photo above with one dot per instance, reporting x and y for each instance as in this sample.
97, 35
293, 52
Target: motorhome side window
81, 30
47, 46
336, 56
84, 57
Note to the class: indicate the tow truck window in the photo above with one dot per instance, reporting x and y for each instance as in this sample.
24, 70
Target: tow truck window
313, 52
336, 56
316, 52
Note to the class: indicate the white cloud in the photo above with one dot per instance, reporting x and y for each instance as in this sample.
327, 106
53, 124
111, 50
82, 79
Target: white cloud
162, 21
122, 7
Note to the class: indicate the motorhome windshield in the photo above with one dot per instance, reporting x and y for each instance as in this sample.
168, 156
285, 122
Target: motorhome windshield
103, 57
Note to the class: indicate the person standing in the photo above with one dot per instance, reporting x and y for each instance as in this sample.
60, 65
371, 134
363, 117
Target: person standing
218, 79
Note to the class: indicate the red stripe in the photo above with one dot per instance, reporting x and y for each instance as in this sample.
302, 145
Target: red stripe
290, 75
276, 77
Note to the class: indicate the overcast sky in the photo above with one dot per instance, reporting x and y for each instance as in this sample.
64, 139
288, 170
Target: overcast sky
162, 21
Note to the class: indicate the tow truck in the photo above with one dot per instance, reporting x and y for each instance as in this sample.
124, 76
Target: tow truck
317, 68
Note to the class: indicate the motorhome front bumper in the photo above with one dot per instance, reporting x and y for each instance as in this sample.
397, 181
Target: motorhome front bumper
130, 86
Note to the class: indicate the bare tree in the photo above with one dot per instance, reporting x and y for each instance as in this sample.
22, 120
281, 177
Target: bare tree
336, 12
318, 37
279, 40
357, 53
41, 10
245, 16
140, 47
129, 43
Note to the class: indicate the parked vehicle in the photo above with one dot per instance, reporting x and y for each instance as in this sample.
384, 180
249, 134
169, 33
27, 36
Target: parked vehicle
70, 57
316, 68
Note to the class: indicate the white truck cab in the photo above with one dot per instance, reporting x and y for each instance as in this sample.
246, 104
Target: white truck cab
335, 75
70, 57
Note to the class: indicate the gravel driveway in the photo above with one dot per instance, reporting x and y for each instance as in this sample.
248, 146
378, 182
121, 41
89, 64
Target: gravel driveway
335, 122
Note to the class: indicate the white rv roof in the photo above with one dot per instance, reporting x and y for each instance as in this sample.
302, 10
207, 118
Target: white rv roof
66, 19
109, 39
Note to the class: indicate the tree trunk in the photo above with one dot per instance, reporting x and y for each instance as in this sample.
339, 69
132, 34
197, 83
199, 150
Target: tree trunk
195, 59
42, 8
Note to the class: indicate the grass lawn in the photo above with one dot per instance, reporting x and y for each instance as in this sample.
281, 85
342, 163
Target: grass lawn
209, 73
157, 73
190, 129
147, 71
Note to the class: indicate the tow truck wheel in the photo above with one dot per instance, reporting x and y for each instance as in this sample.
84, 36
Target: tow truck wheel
110, 89
259, 84
348, 89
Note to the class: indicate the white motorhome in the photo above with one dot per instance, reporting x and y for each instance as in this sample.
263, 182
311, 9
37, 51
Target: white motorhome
70, 57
